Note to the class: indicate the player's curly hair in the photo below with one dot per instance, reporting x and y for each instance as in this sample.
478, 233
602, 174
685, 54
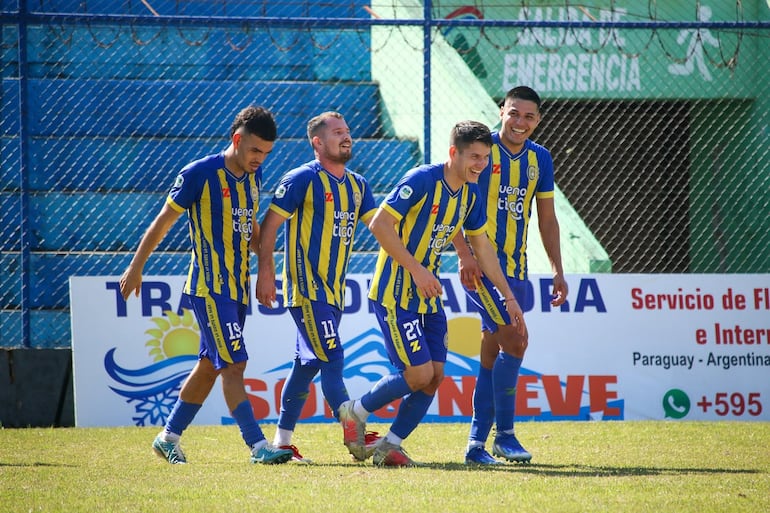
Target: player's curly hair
258, 121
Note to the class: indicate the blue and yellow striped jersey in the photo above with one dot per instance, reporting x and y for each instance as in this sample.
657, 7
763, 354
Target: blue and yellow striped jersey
510, 184
221, 211
429, 216
322, 211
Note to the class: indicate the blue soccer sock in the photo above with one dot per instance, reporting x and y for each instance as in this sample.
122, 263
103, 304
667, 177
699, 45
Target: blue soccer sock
333, 385
250, 430
387, 389
294, 393
182, 414
410, 413
483, 407
505, 374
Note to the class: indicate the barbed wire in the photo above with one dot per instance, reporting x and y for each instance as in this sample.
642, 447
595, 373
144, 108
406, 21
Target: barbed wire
60, 34
191, 42
239, 48
142, 42
99, 42
324, 47
527, 11
280, 47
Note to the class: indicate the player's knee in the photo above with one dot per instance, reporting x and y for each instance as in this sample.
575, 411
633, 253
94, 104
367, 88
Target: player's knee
419, 377
512, 342
517, 347
431, 388
330, 367
205, 370
234, 371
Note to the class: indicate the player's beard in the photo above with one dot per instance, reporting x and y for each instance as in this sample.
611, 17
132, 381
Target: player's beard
342, 157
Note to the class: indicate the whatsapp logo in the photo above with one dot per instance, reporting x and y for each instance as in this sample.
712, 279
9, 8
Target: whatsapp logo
676, 404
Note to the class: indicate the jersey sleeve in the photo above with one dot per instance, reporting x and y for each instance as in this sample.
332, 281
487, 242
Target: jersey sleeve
545, 182
368, 206
406, 193
290, 193
187, 187
476, 222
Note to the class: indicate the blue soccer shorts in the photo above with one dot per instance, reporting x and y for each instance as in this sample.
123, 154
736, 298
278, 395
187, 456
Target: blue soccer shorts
412, 338
491, 304
317, 331
221, 323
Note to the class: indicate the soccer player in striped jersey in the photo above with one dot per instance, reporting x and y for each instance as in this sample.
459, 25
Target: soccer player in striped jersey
519, 174
418, 219
220, 194
321, 202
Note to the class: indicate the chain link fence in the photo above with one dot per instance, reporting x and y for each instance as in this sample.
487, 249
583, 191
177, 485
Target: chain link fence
656, 115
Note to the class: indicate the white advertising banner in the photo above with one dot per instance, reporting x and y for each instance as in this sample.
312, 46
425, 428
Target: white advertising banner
690, 346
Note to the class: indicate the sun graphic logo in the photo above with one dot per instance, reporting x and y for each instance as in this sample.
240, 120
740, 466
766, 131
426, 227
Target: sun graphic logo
174, 335
154, 389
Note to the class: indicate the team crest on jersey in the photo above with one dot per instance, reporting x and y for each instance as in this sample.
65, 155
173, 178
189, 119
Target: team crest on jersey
280, 192
405, 192
532, 172
254, 192
357, 199
463, 211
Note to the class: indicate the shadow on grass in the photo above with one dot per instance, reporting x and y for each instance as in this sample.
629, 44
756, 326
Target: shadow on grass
588, 470
36, 464
557, 470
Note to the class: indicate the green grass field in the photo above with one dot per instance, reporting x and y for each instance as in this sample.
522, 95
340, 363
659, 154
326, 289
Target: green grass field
577, 467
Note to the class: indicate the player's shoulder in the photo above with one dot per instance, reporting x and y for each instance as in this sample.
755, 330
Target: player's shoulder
414, 183
306, 171
205, 164
539, 149
426, 172
424, 177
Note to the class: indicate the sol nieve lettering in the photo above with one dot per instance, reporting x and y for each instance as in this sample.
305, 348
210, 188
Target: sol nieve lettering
551, 396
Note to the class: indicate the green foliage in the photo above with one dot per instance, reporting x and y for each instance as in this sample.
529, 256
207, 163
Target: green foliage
577, 466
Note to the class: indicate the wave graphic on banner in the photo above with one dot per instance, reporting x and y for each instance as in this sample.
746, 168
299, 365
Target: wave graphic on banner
153, 389
365, 357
